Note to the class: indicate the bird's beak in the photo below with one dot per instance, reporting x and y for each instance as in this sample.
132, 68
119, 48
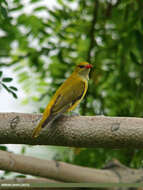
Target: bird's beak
88, 66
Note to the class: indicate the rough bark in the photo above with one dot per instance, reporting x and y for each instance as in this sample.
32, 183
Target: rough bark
75, 131
60, 171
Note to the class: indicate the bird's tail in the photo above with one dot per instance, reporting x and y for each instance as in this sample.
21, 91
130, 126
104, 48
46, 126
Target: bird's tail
41, 125
44, 121
37, 130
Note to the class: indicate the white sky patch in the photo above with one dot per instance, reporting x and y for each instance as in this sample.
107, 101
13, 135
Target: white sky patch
2, 33
99, 41
29, 7
132, 74
34, 42
23, 29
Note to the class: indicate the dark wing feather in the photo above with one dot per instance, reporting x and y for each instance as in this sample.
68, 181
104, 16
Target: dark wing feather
68, 97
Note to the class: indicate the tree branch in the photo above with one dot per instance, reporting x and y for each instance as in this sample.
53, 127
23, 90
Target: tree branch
75, 131
114, 172
92, 30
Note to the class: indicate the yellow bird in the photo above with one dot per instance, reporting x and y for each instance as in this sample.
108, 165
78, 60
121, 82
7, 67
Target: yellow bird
67, 97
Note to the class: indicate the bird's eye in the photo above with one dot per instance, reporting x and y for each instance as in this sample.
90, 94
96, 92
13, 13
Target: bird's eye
81, 66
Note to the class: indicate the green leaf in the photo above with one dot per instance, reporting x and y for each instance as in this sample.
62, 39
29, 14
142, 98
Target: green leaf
20, 176
134, 58
6, 172
0, 73
34, 1
5, 87
17, 8
40, 8
60, 2
139, 41
7, 79
13, 88
4, 148
14, 95
23, 150
3, 12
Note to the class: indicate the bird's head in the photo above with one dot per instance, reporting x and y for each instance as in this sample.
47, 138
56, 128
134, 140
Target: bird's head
83, 69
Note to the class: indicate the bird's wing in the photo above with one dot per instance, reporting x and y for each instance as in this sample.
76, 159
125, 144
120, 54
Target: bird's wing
72, 93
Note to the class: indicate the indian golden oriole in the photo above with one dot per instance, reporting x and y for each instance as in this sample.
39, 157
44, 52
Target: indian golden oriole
67, 97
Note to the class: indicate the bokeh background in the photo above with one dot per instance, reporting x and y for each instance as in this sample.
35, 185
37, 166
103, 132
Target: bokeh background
40, 43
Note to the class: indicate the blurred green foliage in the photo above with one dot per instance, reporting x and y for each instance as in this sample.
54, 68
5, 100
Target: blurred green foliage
44, 45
